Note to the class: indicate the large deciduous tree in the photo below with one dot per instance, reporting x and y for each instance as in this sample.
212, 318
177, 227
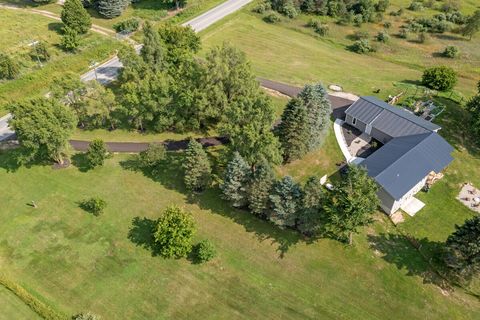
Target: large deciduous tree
285, 202
351, 204
180, 43
463, 249
75, 17
234, 186
197, 167
71, 90
43, 127
472, 26
174, 233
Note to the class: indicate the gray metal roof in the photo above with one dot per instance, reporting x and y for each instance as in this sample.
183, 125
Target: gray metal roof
363, 110
395, 122
403, 162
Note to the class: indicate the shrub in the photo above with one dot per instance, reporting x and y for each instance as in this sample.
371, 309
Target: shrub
360, 35
422, 37
397, 13
204, 251
358, 20
450, 6
40, 52
361, 47
382, 5
262, 7
70, 40
322, 29
451, 52
416, 6
94, 205
272, 17
382, 36
174, 233
97, 153
153, 156
86, 316
441, 78
403, 33
8, 68
129, 25
387, 25
289, 10
75, 16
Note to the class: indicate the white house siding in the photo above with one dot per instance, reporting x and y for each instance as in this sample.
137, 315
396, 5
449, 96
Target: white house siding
390, 205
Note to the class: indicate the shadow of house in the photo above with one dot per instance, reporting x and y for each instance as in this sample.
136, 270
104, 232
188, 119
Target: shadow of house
397, 250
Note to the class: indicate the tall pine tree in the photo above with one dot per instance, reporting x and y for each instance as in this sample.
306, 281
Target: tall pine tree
259, 189
285, 202
315, 99
197, 167
75, 17
111, 8
463, 249
311, 218
234, 186
152, 52
294, 131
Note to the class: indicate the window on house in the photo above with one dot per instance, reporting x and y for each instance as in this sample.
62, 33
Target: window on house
354, 121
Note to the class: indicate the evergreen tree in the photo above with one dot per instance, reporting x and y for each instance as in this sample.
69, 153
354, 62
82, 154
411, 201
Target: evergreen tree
351, 204
111, 8
259, 189
197, 167
8, 68
152, 52
97, 153
43, 127
315, 99
70, 40
310, 221
463, 249
234, 186
293, 131
75, 17
285, 202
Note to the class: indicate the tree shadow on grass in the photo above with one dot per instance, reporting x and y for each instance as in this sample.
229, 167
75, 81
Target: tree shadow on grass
404, 251
142, 234
170, 175
56, 26
80, 161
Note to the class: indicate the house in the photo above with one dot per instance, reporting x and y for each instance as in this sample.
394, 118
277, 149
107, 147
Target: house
412, 150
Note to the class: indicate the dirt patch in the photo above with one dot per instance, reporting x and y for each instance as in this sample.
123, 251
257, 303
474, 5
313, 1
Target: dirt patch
66, 163
275, 93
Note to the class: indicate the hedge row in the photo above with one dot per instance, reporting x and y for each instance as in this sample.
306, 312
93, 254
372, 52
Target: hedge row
36, 305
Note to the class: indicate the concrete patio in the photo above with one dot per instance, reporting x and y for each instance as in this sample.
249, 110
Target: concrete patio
412, 206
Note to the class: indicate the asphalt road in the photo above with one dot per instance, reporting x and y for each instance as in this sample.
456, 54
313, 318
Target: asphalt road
5, 131
109, 70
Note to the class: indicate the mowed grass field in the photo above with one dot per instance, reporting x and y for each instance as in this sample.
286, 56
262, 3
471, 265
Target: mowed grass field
14, 308
292, 53
19, 29
78, 262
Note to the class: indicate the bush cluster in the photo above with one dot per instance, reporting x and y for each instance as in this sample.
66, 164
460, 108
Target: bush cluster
361, 46
129, 25
272, 17
451, 52
94, 205
319, 28
440, 78
9, 68
204, 251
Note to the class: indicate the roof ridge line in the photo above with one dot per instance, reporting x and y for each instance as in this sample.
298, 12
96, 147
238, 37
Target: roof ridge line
408, 151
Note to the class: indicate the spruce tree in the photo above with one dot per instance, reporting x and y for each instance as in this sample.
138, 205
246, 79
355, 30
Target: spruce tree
9, 69
285, 202
310, 221
463, 249
293, 131
235, 182
111, 8
259, 188
152, 47
75, 17
197, 167
97, 153
315, 99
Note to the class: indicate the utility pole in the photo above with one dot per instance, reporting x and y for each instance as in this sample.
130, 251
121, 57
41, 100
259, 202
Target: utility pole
94, 64
34, 44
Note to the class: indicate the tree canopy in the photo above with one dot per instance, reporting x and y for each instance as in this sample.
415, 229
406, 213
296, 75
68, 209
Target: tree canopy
197, 167
473, 105
472, 26
234, 186
174, 233
75, 17
43, 127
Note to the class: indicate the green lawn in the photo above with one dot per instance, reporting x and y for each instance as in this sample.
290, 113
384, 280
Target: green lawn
20, 28
14, 308
292, 53
103, 264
